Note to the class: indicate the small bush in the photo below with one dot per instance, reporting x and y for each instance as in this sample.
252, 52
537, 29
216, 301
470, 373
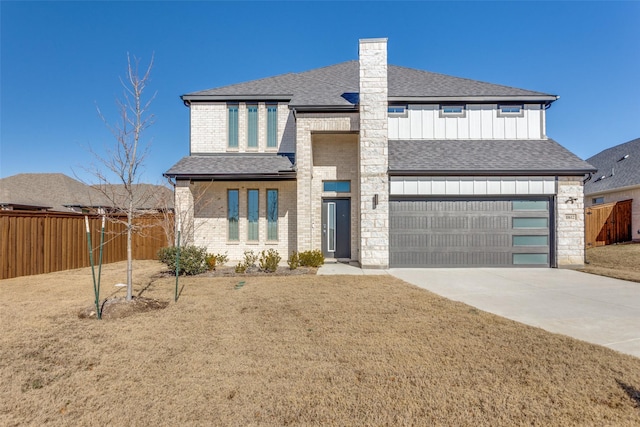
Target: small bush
192, 259
250, 259
216, 260
293, 261
269, 260
241, 267
311, 258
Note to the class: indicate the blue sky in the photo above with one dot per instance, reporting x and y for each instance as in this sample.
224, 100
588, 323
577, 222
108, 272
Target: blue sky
61, 59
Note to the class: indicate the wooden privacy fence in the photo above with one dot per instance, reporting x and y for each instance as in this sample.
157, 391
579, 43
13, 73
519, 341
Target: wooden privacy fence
44, 242
607, 224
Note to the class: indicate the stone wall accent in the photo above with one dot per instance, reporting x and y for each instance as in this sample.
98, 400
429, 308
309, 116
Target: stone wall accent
309, 231
373, 155
570, 222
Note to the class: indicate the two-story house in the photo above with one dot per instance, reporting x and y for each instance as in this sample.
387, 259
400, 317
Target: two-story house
381, 165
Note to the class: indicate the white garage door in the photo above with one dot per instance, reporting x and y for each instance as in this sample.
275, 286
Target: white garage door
429, 232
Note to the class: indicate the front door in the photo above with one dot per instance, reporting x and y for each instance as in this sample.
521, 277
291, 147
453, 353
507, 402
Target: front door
336, 228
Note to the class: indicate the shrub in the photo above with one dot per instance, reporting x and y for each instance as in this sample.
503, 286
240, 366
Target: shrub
215, 260
241, 267
269, 260
293, 261
250, 259
311, 258
192, 259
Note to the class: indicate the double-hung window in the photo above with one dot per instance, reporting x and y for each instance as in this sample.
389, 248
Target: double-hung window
252, 126
272, 214
233, 215
252, 215
272, 126
233, 126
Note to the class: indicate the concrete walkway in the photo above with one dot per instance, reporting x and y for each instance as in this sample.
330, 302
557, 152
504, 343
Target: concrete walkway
596, 309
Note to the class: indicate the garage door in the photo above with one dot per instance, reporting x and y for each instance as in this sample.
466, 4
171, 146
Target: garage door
470, 233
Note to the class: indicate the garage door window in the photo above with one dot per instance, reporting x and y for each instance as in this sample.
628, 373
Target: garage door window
530, 240
519, 259
529, 205
530, 222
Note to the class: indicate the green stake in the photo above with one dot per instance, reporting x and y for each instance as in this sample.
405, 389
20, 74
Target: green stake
177, 262
93, 272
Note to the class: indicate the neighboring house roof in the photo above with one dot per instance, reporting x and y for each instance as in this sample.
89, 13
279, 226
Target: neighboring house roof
489, 157
58, 192
55, 191
614, 170
145, 196
236, 166
337, 86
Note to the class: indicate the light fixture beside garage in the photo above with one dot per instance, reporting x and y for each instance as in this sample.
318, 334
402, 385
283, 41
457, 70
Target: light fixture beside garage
571, 200
375, 201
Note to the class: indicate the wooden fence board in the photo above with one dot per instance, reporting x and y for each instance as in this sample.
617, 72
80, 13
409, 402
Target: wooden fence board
44, 242
608, 223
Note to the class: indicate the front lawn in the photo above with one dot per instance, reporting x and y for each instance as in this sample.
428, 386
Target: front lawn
621, 261
295, 350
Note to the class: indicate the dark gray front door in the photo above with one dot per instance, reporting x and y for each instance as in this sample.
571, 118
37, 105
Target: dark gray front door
336, 228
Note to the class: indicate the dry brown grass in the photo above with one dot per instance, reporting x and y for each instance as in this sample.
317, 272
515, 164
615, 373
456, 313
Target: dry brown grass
299, 350
619, 261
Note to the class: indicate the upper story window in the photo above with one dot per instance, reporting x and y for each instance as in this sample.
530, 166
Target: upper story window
272, 126
510, 110
452, 111
233, 126
252, 126
397, 110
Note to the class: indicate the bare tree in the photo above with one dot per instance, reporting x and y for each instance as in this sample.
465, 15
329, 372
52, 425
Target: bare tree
124, 161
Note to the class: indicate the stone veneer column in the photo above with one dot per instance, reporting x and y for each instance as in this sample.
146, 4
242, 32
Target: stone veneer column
570, 222
373, 154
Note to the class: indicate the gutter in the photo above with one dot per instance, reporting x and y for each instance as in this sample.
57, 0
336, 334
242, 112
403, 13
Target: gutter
491, 172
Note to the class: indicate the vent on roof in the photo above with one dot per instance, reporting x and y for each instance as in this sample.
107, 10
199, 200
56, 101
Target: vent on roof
626, 156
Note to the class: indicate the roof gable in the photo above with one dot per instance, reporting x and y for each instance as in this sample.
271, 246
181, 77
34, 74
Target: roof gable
614, 169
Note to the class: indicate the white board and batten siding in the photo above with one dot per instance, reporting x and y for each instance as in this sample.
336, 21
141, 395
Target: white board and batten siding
480, 121
471, 186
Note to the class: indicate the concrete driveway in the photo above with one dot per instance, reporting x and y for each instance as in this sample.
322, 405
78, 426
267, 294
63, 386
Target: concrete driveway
591, 308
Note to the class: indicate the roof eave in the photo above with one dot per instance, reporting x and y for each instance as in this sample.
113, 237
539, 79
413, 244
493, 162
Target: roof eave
231, 98
232, 177
489, 172
324, 108
547, 99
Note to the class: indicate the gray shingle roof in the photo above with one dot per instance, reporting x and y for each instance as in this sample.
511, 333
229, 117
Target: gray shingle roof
237, 166
52, 190
521, 157
145, 196
617, 173
334, 85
